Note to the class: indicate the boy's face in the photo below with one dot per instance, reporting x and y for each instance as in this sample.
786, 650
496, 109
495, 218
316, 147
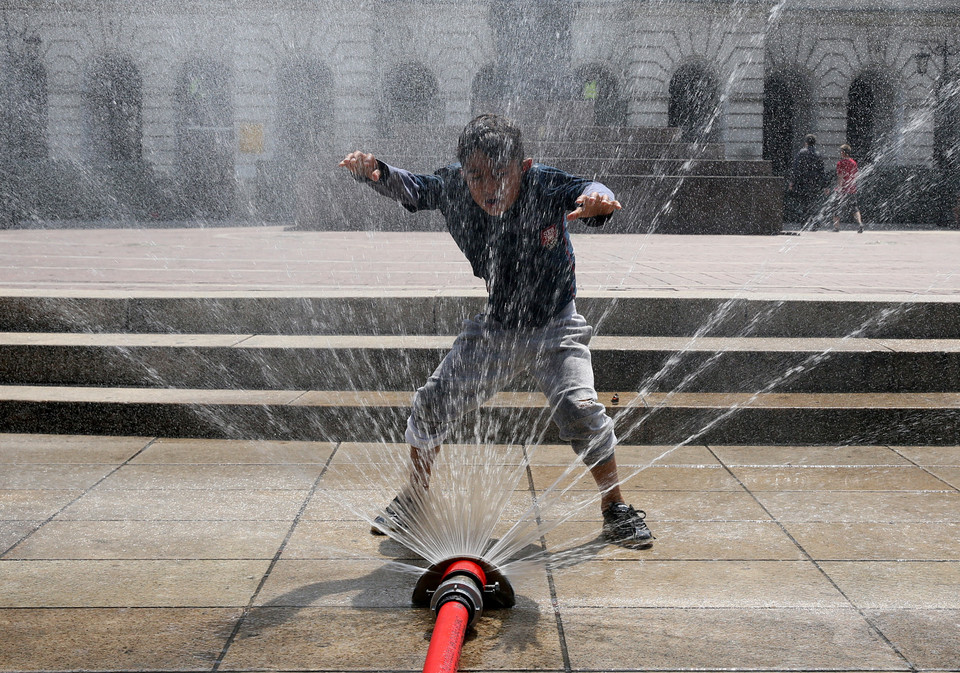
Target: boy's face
493, 186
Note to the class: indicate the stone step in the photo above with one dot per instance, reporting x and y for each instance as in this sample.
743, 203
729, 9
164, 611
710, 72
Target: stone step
623, 134
448, 135
605, 167
691, 204
713, 196
601, 167
278, 362
744, 199
671, 150
697, 204
377, 312
656, 418
396, 151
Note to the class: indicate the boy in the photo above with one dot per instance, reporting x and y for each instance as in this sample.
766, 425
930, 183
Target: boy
847, 206
509, 217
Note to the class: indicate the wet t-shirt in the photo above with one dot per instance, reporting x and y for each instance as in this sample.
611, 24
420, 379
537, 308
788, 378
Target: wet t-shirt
847, 172
525, 255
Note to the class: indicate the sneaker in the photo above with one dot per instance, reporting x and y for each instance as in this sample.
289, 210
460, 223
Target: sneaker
393, 516
624, 524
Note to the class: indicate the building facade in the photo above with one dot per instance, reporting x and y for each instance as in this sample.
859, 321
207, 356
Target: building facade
211, 98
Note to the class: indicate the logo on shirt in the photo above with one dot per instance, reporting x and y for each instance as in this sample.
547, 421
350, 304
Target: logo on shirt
549, 236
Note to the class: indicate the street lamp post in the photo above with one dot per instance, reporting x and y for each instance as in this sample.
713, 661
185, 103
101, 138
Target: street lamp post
943, 49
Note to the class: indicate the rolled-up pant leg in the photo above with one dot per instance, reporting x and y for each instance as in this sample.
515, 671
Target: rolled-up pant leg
563, 369
480, 364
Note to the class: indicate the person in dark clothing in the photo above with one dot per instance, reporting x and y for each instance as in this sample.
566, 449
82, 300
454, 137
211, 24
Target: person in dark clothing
807, 182
509, 217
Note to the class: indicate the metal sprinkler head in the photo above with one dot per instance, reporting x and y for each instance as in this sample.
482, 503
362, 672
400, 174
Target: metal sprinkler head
445, 579
457, 591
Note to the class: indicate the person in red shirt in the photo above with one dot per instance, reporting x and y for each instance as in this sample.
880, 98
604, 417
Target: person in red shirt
846, 190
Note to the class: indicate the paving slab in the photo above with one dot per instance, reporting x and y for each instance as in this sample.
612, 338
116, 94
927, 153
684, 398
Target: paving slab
873, 541
754, 456
884, 585
274, 259
127, 639
731, 639
839, 478
930, 455
249, 504
927, 638
949, 475
78, 540
152, 553
862, 506
692, 540
129, 583
34, 504
208, 555
696, 584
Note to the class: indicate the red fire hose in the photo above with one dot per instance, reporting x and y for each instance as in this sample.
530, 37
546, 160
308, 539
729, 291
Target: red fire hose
444, 653
458, 602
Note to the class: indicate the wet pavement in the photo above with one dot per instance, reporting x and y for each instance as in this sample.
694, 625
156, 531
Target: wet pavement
138, 553
274, 259
149, 553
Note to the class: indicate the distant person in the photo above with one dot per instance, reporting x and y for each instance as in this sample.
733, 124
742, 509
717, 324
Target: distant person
846, 208
807, 180
955, 188
509, 216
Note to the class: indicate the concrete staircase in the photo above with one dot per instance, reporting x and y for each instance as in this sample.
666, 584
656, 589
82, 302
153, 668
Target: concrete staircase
665, 185
331, 367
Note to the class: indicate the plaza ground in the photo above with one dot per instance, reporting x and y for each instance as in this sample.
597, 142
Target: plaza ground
278, 260
156, 553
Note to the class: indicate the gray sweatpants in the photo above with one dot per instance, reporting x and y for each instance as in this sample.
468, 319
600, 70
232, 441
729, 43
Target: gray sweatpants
486, 357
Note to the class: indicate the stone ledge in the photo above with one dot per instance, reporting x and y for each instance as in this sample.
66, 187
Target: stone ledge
796, 419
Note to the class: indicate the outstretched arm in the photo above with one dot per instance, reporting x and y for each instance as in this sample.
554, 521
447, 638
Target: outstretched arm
362, 165
413, 191
594, 204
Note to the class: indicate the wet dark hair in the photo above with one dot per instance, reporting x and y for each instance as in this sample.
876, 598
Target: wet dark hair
497, 137
811, 139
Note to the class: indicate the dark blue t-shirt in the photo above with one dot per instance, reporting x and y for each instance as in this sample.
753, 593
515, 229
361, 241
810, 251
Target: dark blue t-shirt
807, 171
525, 255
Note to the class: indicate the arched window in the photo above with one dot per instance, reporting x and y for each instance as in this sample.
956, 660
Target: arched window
489, 89
205, 137
599, 84
870, 115
411, 96
694, 100
787, 118
23, 103
305, 105
203, 95
116, 104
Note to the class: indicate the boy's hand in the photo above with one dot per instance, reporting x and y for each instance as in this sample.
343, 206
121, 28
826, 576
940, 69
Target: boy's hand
593, 204
362, 165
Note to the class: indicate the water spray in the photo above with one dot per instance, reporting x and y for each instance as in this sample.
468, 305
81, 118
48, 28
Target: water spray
457, 590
